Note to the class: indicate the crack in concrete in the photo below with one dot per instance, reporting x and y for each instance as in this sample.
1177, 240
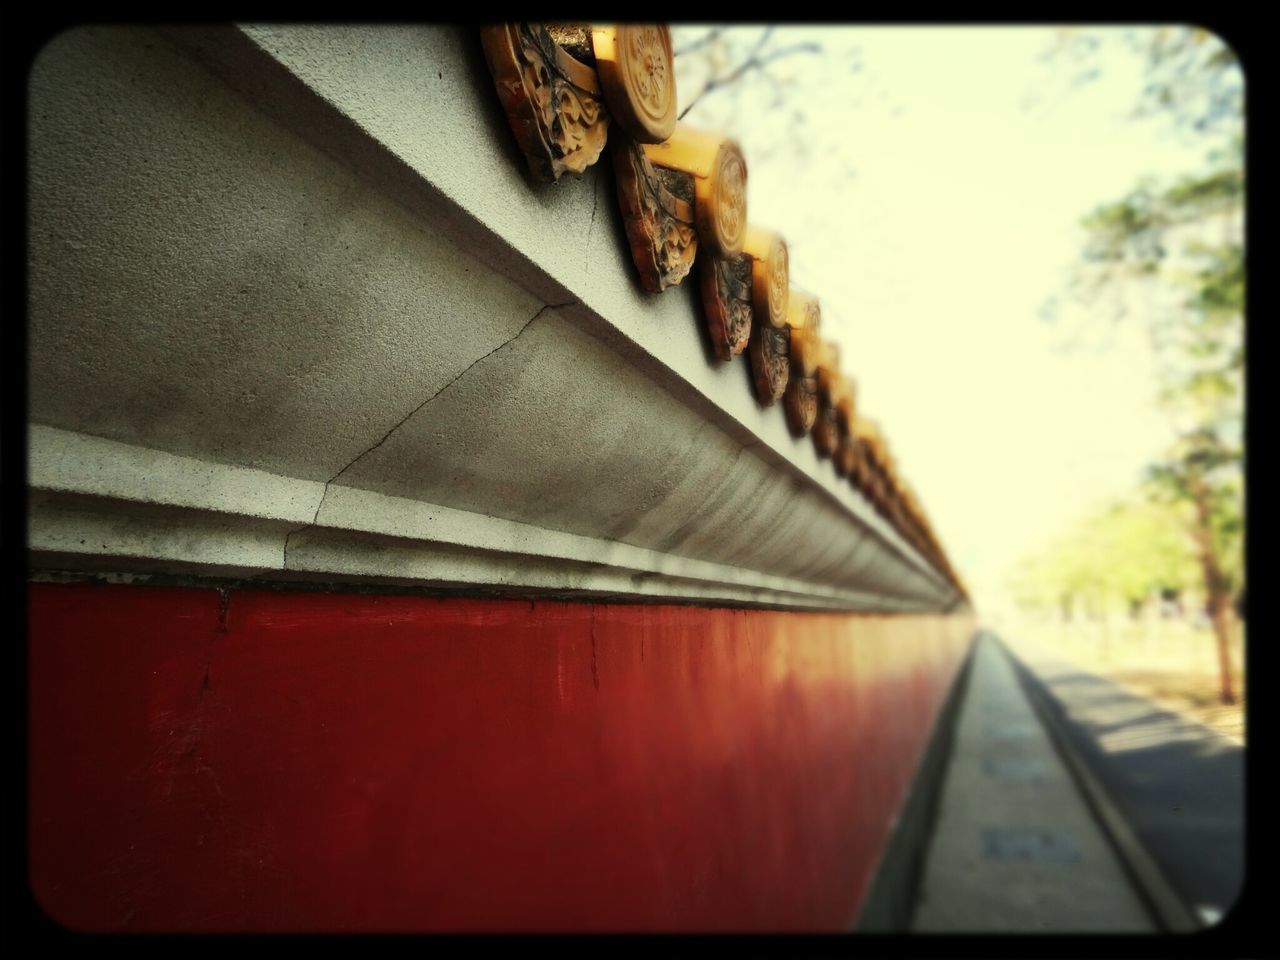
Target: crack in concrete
743, 449
405, 419
595, 205
224, 604
595, 670
185, 747
314, 517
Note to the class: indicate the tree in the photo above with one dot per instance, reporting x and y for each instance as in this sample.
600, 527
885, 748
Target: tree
1181, 248
726, 61
1120, 556
1192, 79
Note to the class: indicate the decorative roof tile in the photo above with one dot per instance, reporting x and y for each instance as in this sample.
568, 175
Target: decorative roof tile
682, 193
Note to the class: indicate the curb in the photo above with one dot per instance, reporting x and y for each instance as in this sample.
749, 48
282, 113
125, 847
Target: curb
890, 900
1167, 906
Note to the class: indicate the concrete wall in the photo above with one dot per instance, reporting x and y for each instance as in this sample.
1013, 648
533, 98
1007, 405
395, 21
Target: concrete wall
296, 313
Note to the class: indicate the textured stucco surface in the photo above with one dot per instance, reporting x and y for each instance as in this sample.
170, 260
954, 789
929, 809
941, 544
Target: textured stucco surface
204, 282
104, 506
312, 252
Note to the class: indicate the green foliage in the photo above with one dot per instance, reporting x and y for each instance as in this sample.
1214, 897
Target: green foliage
1117, 557
1194, 77
1203, 475
1195, 197
1181, 246
1188, 238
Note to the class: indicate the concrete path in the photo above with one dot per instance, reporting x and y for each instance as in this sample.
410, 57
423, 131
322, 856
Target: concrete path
1015, 847
1178, 784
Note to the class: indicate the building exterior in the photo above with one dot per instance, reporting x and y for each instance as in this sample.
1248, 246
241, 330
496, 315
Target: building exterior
397, 560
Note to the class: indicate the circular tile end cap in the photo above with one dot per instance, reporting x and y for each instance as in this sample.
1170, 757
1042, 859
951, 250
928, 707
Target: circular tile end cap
637, 76
770, 275
722, 207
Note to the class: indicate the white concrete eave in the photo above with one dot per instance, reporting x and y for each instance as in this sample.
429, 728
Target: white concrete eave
296, 314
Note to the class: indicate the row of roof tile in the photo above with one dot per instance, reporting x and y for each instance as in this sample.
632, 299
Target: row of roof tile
682, 192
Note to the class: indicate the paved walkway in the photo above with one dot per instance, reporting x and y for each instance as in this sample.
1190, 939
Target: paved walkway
1178, 784
1015, 848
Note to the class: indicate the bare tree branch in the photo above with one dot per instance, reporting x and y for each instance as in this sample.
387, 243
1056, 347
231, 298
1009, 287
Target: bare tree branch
754, 61
701, 42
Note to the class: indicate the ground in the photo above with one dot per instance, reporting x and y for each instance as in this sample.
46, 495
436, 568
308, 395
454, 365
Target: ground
1171, 662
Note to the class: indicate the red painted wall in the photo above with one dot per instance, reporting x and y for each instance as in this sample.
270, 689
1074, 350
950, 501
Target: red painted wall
309, 761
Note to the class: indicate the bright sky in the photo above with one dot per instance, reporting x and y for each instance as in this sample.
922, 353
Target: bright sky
935, 214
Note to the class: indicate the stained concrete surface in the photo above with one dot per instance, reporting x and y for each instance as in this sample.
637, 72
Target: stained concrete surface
306, 252
1015, 848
